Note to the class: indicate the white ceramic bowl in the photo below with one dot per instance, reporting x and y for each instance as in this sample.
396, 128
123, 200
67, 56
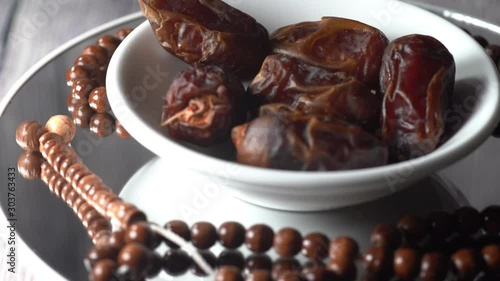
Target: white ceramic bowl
140, 73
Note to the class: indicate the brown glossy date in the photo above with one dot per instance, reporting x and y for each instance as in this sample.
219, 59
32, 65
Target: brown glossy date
209, 32
316, 91
417, 79
284, 138
335, 43
203, 104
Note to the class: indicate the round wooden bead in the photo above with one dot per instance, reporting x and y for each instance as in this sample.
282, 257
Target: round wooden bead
228, 273
259, 275
343, 268
82, 115
117, 239
491, 220
98, 52
434, 267
84, 209
53, 178
27, 135
386, 235
88, 62
441, 224
378, 260
104, 270
98, 227
90, 216
64, 186
52, 154
180, 228
468, 219
291, 276
29, 164
287, 242
120, 130
467, 263
136, 259
59, 159
129, 214
108, 42
344, 247
48, 139
203, 235
98, 100
123, 33
156, 265
115, 208
79, 202
406, 263
211, 260
46, 173
70, 198
491, 257
231, 234
413, 229
102, 124
72, 103
259, 238
81, 89
258, 262
231, 258
66, 163
285, 265
78, 176
63, 126
73, 169
176, 262
315, 246
76, 72
87, 183
140, 232
98, 253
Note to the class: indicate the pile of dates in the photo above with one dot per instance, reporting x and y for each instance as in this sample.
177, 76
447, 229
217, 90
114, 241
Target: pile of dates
333, 94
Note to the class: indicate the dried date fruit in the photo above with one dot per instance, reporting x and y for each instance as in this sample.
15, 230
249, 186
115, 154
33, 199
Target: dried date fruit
336, 44
203, 104
316, 91
417, 78
209, 32
284, 138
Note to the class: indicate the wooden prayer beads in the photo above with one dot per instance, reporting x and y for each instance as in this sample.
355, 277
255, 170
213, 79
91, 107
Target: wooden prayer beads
88, 102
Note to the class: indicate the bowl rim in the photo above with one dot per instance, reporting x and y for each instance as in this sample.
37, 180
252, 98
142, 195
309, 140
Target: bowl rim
454, 149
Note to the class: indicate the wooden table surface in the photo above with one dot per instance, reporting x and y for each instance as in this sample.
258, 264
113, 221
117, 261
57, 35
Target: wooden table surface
30, 29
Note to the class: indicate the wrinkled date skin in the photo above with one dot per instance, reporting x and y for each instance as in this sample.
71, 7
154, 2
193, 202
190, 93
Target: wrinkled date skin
417, 79
316, 91
209, 32
284, 138
337, 44
203, 104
